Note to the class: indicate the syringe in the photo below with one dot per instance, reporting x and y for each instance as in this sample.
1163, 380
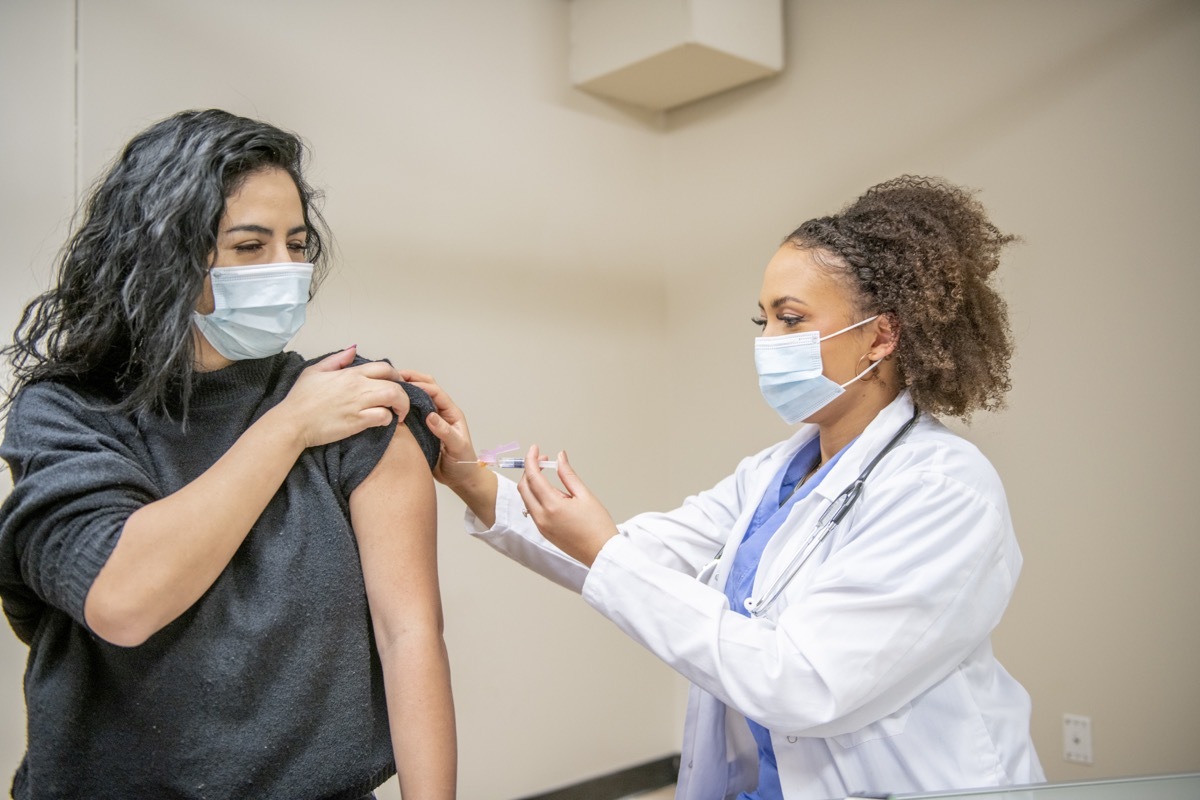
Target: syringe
513, 463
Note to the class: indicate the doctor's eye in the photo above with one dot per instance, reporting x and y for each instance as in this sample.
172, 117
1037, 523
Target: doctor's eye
759, 321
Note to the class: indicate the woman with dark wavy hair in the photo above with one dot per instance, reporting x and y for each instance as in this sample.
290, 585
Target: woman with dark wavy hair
222, 556
832, 600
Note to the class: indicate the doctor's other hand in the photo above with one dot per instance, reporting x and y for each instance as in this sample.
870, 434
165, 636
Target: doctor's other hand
332, 400
573, 521
457, 465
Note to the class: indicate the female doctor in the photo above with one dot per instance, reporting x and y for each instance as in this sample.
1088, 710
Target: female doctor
832, 600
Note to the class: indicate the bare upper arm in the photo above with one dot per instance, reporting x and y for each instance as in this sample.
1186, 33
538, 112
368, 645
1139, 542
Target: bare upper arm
394, 515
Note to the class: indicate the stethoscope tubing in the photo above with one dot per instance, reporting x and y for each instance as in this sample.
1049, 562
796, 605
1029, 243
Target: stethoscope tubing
830, 518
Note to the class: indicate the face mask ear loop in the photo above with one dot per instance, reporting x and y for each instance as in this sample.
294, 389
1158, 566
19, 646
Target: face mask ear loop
874, 364
849, 328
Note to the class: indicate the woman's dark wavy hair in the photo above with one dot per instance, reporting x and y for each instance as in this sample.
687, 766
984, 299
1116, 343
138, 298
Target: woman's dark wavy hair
923, 251
118, 320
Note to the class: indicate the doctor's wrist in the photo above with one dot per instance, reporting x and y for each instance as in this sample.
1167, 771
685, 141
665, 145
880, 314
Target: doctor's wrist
478, 489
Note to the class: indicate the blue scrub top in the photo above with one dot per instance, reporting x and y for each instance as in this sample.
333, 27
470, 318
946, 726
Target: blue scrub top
776, 504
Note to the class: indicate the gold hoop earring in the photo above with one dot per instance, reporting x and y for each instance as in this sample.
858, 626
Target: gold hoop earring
873, 375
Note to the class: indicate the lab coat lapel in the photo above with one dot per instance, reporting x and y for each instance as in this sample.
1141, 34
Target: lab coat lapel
802, 522
757, 484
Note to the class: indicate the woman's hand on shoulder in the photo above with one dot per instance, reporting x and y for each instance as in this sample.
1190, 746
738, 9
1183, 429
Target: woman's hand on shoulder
332, 400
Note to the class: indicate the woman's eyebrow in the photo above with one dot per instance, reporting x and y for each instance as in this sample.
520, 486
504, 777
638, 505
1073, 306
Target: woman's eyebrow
263, 230
249, 229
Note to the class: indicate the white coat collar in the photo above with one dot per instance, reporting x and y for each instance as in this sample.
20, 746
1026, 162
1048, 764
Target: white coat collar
868, 444
873, 438
781, 549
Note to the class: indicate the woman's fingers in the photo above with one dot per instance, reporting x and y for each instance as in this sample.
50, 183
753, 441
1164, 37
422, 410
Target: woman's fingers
379, 370
376, 416
391, 396
412, 376
335, 361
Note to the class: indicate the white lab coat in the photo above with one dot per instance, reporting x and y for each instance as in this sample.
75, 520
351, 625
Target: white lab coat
874, 670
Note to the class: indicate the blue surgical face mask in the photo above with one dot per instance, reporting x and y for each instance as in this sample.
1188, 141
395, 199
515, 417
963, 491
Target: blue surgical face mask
790, 373
256, 310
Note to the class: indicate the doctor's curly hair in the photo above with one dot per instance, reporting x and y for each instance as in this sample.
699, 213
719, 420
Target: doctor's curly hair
923, 251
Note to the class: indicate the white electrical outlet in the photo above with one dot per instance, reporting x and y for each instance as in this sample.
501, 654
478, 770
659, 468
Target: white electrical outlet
1077, 739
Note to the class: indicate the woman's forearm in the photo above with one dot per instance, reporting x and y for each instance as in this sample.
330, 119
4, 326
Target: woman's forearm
172, 550
421, 713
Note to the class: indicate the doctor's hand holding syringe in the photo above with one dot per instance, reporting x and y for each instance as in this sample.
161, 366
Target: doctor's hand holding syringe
574, 521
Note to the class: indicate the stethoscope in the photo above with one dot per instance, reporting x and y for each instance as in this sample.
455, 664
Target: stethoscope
829, 519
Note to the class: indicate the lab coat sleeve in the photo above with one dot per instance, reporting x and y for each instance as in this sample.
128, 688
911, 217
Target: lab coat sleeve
683, 540
687, 538
516, 536
918, 577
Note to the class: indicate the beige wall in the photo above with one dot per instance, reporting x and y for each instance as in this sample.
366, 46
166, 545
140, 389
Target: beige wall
473, 190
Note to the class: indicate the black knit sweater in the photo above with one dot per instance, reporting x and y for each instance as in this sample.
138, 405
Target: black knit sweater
269, 686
